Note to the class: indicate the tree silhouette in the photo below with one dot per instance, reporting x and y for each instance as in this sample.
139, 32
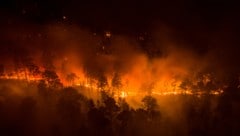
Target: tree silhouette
151, 107
186, 84
102, 83
123, 104
109, 103
33, 69
71, 78
149, 103
116, 81
52, 79
98, 122
69, 103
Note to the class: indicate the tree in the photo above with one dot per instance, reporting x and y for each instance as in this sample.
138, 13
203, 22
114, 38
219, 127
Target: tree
149, 103
116, 81
186, 84
69, 103
27, 115
71, 78
123, 104
124, 117
110, 110
151, 107
31, 67
52, 79
109, 102
102, 83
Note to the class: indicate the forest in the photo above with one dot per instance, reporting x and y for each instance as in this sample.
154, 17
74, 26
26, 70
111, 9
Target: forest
46, 107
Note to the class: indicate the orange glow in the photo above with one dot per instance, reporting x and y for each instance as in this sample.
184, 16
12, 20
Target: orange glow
132, 84
79, 57
123, 94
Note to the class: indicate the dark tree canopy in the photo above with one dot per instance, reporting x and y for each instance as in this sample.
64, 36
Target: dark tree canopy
51, 79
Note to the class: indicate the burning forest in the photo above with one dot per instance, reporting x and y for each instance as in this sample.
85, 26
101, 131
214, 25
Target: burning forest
67, 73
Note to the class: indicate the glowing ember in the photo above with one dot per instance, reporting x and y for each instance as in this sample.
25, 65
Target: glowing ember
108, 34
123, 94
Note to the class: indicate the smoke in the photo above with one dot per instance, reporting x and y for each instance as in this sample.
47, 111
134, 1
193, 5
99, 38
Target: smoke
158, 62
155, 61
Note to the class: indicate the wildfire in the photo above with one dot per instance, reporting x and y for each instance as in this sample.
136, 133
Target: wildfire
20, 76
129, 88
123, 94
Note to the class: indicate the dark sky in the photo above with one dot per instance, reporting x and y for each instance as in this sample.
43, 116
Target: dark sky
210, 28
124, 14
193, 22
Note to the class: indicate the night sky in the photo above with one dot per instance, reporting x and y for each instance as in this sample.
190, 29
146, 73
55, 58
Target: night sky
198, 25
124, 15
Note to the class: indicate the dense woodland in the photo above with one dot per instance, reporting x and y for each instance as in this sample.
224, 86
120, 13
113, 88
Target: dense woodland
45, 110
34, 101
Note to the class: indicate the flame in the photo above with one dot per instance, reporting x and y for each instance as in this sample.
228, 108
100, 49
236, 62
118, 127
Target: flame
131, 86
139, 80
123, 94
